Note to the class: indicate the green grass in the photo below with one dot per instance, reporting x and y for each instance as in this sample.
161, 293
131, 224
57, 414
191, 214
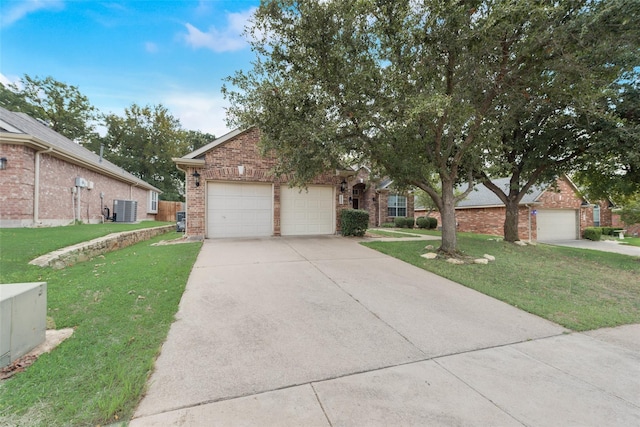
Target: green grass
20, 244
579, 289
632, 241
121, 306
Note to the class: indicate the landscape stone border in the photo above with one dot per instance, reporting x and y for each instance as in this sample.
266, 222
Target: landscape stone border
84, 251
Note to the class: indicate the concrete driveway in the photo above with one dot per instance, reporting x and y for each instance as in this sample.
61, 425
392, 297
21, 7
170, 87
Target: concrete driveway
602, 245
325, 332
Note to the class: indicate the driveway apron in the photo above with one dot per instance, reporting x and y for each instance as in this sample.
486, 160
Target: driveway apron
323, 331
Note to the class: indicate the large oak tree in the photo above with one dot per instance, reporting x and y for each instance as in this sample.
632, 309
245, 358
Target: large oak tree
570, 114
405, 86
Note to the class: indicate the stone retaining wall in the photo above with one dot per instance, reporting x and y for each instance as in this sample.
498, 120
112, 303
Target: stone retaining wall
86, 250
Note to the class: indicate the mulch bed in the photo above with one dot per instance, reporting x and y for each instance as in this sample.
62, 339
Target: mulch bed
18, 365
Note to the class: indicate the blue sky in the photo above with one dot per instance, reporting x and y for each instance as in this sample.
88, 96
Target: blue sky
174, 53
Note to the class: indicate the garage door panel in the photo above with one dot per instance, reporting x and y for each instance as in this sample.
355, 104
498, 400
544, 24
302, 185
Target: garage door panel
307, 212
556, 224
239, 209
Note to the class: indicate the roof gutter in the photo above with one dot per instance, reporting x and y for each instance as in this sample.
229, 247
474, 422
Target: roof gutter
40, 145
182, 163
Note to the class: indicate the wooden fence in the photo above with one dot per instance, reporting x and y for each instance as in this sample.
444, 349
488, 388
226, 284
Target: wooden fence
167, 210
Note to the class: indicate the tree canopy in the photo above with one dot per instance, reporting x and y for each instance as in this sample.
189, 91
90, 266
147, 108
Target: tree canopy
63, 107
143, 143
408, 87
564, 118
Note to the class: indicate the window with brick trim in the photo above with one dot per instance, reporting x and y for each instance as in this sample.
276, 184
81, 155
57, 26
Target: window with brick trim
396, 205
596, 216
153, 202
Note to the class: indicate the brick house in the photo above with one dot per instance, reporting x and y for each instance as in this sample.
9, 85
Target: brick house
50, 180
231, 192
546, 213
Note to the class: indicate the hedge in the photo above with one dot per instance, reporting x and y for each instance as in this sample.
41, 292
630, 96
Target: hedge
592, 233
422, 222
354, 222
403, 222
433, 222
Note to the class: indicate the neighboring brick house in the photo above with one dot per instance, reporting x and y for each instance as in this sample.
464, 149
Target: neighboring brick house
546, 213
50, 180
231, 192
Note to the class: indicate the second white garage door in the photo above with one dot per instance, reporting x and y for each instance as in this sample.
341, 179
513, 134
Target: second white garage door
557, 224
307, 212
239, 209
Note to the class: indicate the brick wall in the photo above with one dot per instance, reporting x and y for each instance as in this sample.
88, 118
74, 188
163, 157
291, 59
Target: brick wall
490, 220
221, 164
57, 203
16, 185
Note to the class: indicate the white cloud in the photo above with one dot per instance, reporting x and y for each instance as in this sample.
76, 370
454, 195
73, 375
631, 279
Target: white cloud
225, 39
15, 11
199, 111
8, 80
151, 47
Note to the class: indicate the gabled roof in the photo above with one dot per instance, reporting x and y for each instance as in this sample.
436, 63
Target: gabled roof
20, 128
481, 196
216, 142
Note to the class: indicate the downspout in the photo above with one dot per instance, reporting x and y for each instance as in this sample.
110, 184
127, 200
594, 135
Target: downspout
186, 201
36, 185
379, 210
529, 207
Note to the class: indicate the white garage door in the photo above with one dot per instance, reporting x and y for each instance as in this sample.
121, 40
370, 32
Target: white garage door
239, 209
556, 224
307, 212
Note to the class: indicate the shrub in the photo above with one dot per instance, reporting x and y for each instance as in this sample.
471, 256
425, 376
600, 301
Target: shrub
423, 222
403, 222
592, 233
433, 222
607, 231
354, 222
387, 225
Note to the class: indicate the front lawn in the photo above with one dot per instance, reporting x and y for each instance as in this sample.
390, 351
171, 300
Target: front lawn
633, 241
579, 289
121, 306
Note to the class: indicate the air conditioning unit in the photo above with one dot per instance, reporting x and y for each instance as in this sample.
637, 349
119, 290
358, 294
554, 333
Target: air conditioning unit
81, 182
23, 319
125, 210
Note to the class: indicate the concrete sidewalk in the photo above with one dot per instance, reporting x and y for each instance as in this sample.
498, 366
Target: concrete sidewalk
602, 245
323, 331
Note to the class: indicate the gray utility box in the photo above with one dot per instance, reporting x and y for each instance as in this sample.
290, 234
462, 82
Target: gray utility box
23, 319
125, 210
180, 221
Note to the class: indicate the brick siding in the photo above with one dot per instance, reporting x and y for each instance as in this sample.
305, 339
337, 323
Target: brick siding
221, 164
56, 200
490, 220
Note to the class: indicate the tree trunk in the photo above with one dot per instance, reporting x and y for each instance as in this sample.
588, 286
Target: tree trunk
511, 221
449, 244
